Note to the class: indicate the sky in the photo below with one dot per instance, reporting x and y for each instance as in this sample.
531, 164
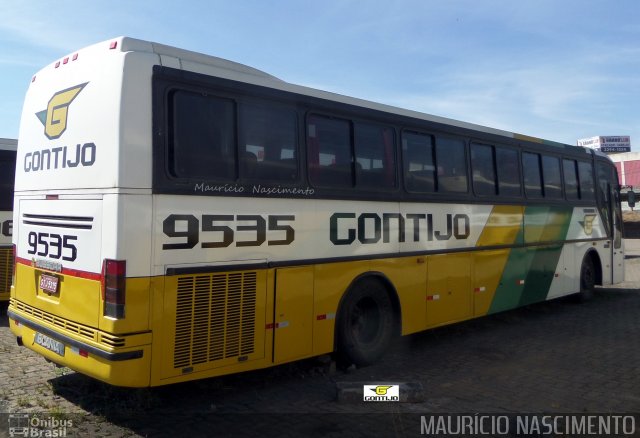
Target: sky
555, 69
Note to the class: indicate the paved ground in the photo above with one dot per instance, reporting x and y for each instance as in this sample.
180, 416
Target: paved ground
554, 357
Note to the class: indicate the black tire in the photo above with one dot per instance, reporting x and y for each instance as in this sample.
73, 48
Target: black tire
366, 323
587, 279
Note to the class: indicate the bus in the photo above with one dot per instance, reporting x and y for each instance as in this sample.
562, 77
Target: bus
179, 216
7, 174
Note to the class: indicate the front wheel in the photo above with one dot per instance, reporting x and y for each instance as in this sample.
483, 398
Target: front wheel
366, 323
587, 279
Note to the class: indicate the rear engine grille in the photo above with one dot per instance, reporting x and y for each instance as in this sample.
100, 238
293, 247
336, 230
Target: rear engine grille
69, 326
215, 317
6, 269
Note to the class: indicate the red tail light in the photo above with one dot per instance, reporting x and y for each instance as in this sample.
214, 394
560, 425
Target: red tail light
15, 255
114, 276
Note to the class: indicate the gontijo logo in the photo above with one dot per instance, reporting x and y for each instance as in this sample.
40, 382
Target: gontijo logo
54, 118
381, 393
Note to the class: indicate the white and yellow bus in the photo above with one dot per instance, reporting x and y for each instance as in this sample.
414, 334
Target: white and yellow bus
178, 216
7, 174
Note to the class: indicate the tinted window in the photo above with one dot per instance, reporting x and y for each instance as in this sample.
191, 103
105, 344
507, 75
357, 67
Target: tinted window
419, 167
203, 138
7, 176
330, 154
531, 173
268, 143
484, 175
585, 177
375, 156
508, 172
570, 179
452, 165
552, 178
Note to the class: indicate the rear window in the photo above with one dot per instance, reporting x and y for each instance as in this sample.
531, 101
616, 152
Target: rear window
7, 177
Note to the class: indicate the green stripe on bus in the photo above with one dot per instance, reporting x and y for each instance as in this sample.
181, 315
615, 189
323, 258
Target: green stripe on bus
529, 271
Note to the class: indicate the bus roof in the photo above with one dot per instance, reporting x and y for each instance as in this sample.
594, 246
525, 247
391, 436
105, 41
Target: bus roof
8, 144
211, 65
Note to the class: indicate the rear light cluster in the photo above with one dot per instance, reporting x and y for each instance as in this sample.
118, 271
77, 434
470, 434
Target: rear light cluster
66, 60
114, 276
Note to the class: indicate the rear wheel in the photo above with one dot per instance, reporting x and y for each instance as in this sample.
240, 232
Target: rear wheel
366, 323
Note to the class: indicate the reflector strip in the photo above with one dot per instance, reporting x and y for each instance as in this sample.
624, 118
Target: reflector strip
65, 271
479, 289
433, 297
326, 316
520, 282
277, 325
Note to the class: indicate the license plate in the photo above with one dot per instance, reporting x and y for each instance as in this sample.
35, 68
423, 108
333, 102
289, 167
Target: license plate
50, 344
49, 283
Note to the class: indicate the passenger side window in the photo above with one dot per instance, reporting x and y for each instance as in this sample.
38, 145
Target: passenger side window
268, 143
452, 165
484, 175
585, 176
570, 179
330, 154
419, 163
551, 177
508, 172
532, 176
375, 156
202, 142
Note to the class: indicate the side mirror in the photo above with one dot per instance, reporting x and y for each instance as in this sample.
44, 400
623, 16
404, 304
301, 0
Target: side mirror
631, 199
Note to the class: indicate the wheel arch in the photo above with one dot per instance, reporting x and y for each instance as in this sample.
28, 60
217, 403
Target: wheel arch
597, 264
391, 292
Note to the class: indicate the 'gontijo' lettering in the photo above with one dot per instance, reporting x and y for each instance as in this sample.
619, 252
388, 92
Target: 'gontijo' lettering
60, 157
370, 228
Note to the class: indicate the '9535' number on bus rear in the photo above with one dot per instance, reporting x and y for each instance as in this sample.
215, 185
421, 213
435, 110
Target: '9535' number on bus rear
52, 245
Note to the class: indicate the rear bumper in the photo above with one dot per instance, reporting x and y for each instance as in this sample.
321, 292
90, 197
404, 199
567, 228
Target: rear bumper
120, 366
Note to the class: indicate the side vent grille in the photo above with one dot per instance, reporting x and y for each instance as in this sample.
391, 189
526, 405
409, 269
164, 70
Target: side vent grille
6, 269
215, 317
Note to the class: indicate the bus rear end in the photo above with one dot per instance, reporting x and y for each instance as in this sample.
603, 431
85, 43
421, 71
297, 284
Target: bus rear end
80, 295
7, 175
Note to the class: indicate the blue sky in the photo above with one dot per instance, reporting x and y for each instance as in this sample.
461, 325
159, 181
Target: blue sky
556, 69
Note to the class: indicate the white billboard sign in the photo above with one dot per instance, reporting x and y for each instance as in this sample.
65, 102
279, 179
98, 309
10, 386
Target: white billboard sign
608, 143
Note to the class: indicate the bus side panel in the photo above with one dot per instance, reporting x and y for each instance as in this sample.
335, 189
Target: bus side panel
293, 325
504, 227
512, 280
449, 296
408, 277
488, 268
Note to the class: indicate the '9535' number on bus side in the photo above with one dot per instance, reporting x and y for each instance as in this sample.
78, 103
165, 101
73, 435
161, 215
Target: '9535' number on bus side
243, 229
52, 245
